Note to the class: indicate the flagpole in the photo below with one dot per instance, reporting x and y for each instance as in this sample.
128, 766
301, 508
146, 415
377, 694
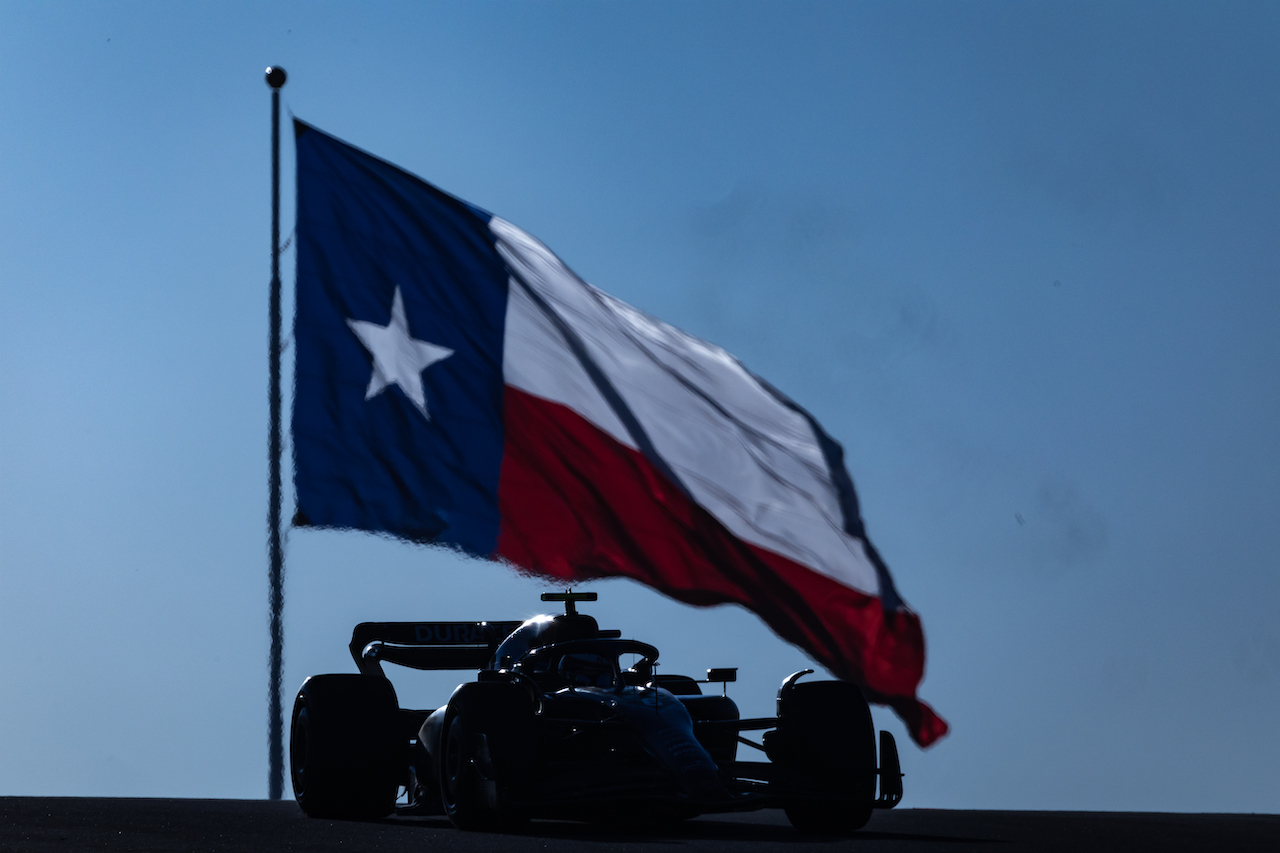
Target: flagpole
275, 723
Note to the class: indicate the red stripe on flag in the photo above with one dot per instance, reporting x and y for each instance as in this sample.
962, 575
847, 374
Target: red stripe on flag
576, 504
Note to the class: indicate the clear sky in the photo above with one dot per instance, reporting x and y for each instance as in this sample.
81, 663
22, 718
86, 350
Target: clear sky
1021, 259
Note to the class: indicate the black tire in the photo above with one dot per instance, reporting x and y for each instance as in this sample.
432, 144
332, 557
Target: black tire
346, 756
486, 754
460, 785
826, 739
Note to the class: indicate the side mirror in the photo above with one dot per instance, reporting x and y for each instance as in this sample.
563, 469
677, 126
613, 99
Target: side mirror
890, 771
722, 676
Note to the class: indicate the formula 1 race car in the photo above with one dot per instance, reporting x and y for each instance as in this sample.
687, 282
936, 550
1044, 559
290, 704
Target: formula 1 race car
566, 720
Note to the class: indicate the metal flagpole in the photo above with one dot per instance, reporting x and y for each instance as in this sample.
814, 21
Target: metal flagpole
275, 724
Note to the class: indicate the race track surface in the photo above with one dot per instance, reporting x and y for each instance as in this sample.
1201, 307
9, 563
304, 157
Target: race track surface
256, 826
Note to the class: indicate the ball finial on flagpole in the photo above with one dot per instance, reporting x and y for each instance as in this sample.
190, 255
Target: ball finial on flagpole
276, 76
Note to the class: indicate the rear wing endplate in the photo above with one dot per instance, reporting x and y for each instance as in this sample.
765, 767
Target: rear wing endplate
427, 645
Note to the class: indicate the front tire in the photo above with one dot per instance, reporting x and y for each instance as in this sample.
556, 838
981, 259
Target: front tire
346, 756
460, 782
468, 791
826, 738
486, 756
458, 779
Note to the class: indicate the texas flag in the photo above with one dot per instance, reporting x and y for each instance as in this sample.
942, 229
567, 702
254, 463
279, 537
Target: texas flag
458, 384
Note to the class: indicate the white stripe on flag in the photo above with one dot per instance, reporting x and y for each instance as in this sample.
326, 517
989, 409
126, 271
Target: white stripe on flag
750, 461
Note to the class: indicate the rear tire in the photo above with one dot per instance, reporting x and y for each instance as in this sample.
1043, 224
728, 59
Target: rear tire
826, 738
346, 756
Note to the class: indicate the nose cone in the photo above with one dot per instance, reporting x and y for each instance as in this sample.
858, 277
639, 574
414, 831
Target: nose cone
664, 723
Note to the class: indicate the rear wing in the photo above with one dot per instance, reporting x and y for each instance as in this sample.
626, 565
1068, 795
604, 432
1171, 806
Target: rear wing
427, 645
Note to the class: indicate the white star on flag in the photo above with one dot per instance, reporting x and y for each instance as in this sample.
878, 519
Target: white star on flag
398, 359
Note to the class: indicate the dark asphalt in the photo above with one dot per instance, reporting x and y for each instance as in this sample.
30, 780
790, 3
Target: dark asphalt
66, 824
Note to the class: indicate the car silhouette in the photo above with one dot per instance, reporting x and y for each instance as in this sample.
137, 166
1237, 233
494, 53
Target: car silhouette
566, 720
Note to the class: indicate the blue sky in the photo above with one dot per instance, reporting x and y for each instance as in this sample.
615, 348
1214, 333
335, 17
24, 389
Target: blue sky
1020, 259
